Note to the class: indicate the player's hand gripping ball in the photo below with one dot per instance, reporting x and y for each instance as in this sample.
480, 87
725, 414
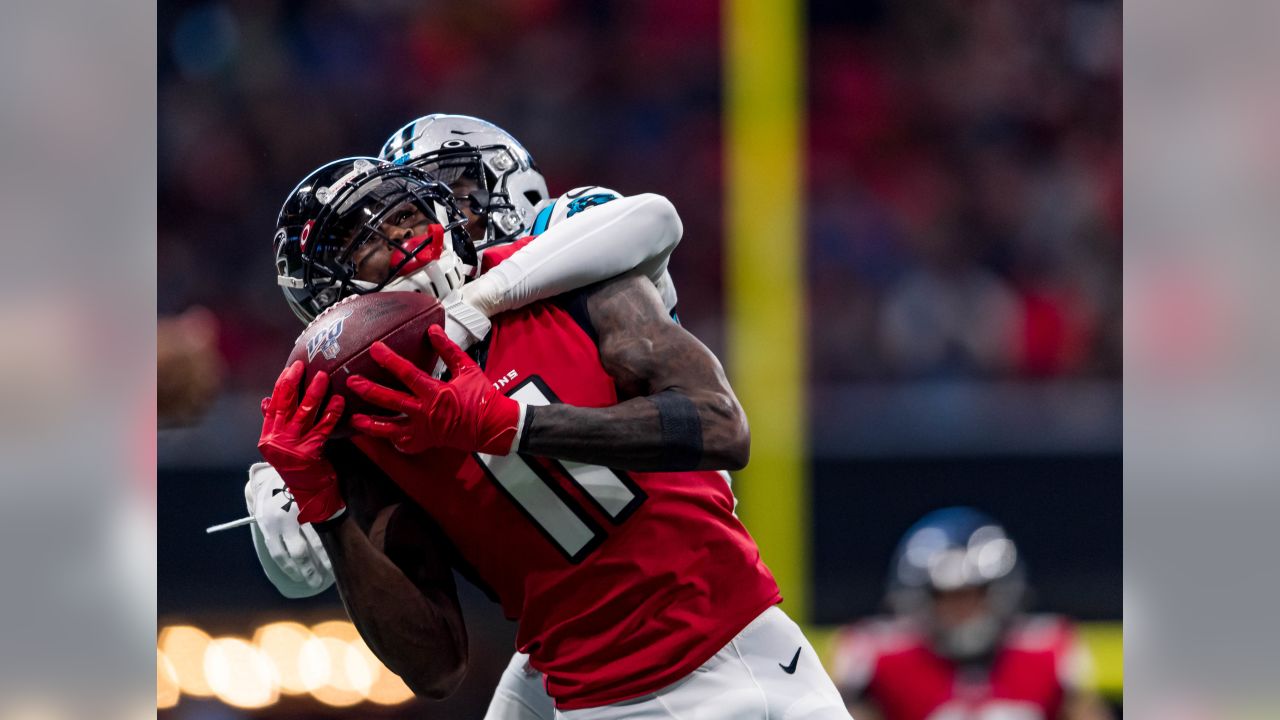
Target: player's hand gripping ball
465, 413
293, 439
333, 347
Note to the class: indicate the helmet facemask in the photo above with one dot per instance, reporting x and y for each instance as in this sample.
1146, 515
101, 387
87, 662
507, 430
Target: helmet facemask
394, 229
488, 168
974, 637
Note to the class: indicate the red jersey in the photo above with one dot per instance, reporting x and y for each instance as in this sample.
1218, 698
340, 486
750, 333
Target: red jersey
621, 582
891, 664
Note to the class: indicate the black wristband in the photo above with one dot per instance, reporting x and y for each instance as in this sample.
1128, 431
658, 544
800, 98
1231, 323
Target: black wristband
524, 428
681, 429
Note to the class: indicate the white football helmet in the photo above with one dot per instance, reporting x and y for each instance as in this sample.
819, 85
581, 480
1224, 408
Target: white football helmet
452, 146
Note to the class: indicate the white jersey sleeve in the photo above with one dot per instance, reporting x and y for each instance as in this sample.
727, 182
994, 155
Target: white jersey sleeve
579, 200
554, 211
587, 235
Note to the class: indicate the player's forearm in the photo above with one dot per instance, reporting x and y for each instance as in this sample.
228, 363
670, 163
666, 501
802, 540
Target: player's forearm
415, 632
679, 412
662, 433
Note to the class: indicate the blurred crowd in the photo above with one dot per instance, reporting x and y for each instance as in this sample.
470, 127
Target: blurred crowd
963, 195
965, 188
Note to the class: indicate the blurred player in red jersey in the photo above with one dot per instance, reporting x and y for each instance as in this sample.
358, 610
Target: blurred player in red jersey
573, 471
958, 646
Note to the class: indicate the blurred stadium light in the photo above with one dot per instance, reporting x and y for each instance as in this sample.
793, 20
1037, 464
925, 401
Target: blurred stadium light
328, 661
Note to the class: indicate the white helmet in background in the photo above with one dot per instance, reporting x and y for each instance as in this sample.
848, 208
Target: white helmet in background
450, 147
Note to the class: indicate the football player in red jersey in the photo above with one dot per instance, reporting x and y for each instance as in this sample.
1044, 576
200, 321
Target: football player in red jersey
571, 468
958, 647
493, 177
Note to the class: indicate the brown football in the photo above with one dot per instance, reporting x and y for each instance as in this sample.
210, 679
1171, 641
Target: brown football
338, 342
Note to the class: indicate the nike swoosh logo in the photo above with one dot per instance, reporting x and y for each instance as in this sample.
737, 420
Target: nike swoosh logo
791, 669
462, 132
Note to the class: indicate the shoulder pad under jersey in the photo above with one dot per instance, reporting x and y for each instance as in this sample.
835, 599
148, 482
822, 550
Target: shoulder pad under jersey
570, 204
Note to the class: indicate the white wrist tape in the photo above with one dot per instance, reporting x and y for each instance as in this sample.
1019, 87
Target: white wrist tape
468, 316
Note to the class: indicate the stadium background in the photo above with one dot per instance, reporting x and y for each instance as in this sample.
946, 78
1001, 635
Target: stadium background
902, 235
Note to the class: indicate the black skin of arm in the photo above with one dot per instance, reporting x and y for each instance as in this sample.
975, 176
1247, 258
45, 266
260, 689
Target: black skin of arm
646, 353
397, 587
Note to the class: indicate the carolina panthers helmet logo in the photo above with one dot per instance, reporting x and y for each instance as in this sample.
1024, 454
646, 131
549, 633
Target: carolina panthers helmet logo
325, 340
583, 203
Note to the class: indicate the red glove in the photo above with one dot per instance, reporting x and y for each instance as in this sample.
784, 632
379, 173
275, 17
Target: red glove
292, 441
467, 413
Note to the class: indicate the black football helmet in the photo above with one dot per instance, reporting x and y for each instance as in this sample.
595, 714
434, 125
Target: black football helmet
347, 204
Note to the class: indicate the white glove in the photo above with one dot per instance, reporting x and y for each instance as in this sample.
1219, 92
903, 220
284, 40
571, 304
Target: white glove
291, 554
463, 323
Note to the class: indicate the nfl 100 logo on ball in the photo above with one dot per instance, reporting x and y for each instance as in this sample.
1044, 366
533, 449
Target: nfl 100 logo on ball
337, 342
325, 338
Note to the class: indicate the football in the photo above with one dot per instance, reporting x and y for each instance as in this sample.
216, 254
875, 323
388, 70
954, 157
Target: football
338, 341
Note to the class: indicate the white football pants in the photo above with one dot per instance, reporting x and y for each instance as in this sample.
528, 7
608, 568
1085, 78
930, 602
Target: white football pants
769, 671
520, 695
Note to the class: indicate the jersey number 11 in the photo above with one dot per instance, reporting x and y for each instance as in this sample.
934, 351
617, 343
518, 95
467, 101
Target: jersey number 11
543, 500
